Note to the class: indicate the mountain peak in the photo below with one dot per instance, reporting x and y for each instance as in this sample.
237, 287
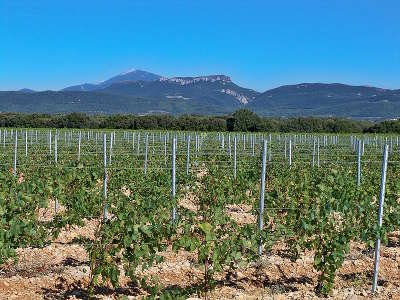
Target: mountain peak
129, 75
25, 90
131, 70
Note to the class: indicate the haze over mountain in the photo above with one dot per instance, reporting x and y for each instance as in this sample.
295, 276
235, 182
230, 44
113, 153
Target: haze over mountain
141, 92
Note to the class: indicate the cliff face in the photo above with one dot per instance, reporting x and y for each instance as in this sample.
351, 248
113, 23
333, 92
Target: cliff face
241, 98
192, 80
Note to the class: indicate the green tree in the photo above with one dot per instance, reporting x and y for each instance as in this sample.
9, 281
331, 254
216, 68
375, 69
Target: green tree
244, 120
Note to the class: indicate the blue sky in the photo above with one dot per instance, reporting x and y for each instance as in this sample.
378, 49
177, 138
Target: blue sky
50, 44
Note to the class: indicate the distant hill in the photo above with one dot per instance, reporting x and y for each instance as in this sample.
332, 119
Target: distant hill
141, 92
131, 75
318, 99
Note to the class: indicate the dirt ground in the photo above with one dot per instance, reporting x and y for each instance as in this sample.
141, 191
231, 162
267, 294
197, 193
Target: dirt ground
60, 271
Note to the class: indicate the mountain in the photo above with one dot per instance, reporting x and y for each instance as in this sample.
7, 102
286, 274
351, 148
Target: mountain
131, 75
141, 92
26, 91
211, 90
102, 103
85, 87
215, 94
335, 99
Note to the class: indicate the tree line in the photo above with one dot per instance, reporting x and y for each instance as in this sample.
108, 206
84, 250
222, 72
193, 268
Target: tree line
241, 120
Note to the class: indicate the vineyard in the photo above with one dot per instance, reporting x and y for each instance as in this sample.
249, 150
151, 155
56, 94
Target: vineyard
175, 215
